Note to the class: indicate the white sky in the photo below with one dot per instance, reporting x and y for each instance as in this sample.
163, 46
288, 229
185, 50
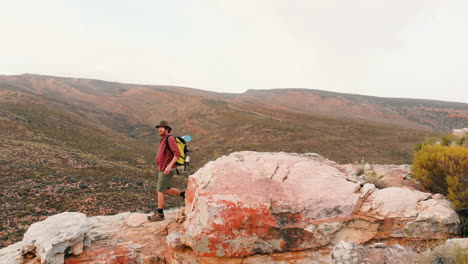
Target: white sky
392, 48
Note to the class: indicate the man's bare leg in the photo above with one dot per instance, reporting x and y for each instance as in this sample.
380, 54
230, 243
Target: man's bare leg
160, 200
172, 191
159, 215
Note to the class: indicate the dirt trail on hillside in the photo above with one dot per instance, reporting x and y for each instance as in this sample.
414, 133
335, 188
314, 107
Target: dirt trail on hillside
262, 115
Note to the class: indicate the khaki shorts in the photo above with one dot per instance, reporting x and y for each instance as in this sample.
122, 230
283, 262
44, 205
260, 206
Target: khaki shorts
164, 181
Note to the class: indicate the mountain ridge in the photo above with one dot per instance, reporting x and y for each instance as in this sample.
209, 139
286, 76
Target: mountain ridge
323, 92
333, 93
428, 114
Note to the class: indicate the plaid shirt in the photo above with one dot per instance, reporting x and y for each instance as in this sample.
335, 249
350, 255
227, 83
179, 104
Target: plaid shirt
165, 155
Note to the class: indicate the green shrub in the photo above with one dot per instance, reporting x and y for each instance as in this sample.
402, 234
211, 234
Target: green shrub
429, 141
447, 140
444, 170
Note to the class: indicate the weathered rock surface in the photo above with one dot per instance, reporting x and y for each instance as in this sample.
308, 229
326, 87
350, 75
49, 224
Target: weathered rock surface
249, 203
11, 254
126, 238
383, 176
51, 239
252, 207
451, 252
460, 132
350, 253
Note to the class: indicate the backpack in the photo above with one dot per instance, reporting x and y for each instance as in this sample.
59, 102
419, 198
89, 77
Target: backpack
182, 145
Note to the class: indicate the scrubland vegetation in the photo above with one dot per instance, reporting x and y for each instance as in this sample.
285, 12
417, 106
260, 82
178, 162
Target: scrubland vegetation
89, 146
442, 167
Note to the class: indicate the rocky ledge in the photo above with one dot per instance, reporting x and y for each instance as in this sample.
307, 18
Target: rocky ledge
252, 207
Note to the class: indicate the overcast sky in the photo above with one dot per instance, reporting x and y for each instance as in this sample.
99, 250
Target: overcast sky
392, 48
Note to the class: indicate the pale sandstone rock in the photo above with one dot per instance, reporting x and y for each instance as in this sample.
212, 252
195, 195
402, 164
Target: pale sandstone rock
136, 220
11, 254
366, 190
356, 231
50, 239
253, 201
396, 176
415, 214
394, 202
350, 253
451, 251
306, 257
437, 211
127, 238
460, 132
105, 226
457, 243
454, 250
301, 257
385, 175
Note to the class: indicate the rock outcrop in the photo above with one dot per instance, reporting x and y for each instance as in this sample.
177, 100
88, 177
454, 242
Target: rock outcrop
255, 203
122, 238
56, 236
252, 207
12, 254
383, 176
452, 251
251, 203
350, 253
460, 132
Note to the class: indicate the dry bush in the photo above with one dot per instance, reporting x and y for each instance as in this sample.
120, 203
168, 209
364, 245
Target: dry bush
374, 178
444, 170
444, 254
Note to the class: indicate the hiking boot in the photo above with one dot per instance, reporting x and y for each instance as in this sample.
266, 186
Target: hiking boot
156, 217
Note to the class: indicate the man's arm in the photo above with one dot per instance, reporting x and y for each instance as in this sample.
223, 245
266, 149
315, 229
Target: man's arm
175, 149
167, 170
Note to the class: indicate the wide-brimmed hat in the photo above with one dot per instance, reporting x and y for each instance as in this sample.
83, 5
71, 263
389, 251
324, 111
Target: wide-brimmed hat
163, 124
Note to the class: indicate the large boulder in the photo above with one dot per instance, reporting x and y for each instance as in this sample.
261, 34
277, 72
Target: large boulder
252, 203
255, 203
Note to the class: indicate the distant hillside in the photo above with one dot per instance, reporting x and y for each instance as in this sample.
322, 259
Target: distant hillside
71, 144
416, 113
286, 118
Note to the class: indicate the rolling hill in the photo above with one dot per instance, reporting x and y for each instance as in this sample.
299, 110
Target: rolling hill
70, 144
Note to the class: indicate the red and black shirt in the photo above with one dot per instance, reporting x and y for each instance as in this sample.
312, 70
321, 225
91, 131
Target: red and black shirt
165, 154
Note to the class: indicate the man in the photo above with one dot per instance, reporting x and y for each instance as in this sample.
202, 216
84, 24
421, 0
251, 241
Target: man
166, 164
